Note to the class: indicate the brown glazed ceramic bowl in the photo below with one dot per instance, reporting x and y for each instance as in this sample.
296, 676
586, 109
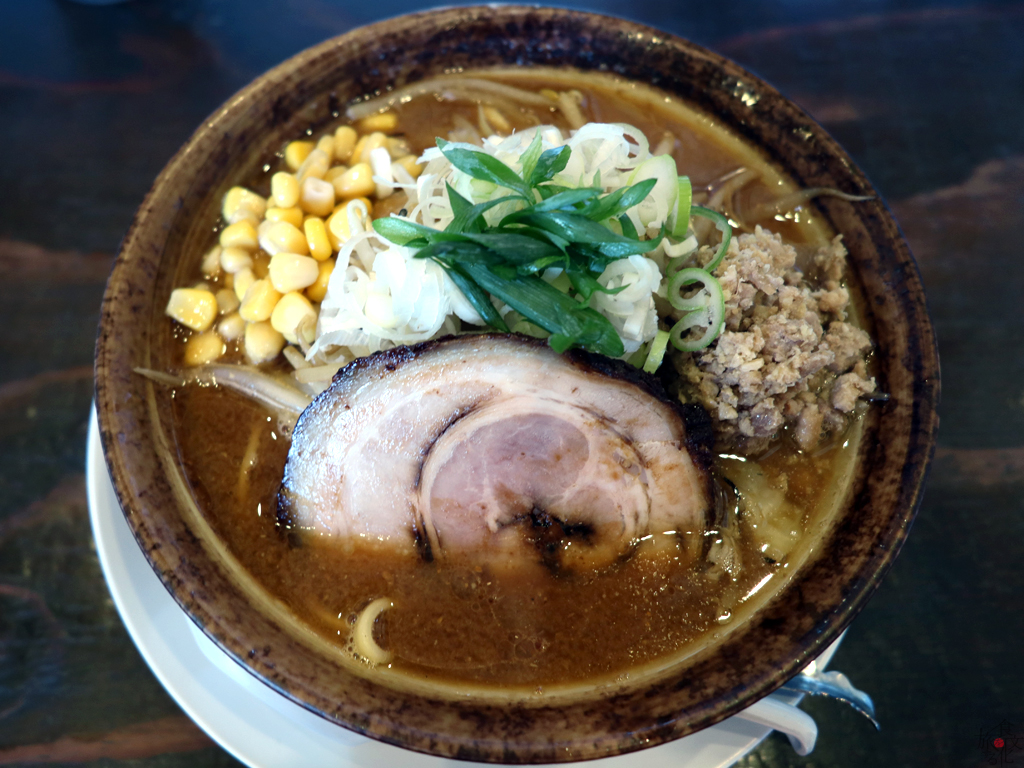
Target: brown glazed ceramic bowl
174, 223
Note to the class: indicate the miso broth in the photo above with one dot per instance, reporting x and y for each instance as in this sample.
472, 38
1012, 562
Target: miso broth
457, 623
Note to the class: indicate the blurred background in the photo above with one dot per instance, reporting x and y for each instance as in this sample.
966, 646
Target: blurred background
928, 98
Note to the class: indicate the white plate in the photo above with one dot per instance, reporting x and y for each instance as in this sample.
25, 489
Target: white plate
263, 729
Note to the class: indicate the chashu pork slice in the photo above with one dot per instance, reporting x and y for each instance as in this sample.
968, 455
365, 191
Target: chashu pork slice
495, 447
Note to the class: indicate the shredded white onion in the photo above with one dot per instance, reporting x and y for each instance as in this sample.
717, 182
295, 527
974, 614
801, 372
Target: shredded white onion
631, 311
380, 295
380, 164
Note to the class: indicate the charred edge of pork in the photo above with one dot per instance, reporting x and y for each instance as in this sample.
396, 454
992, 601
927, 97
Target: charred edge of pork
700, 433
548, 535
699, 438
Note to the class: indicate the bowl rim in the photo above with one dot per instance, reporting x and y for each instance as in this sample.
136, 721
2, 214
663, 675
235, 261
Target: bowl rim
485, 734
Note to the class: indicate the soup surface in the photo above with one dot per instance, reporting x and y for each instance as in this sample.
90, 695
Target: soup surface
459, 624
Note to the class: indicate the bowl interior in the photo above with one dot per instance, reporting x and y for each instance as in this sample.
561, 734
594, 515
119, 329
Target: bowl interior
173, 225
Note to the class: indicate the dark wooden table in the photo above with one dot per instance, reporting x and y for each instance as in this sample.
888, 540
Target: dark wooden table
928, 97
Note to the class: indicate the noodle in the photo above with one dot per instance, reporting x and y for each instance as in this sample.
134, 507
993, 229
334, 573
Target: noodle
362, 634
452, 89
248, 462
795, 199
455, 621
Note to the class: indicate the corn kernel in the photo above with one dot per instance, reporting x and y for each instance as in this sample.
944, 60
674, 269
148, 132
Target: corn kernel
234, 260
326, 145
296, 153
243, 279
280, 236
368, 143
315, 166
241, 234
284, 190
292, 272
241, 203
260, 264
231, 327
318, 290
317, 197
344, 142
259, 301
398, 147
357, 150
204, 348
211, 262
364, 200
193, 308
357, 181
227, 302
202, 285
262, 342
409, 163
334, 172
338, 229
292, 215
316, 235
385, 121
291, 313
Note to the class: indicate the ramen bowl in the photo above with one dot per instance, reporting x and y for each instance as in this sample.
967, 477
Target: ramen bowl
865, 531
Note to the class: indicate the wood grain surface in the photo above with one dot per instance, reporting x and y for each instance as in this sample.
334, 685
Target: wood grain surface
927, 97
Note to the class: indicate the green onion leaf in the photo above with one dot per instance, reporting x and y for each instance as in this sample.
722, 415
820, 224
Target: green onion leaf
619, 201
566, 200
476, 296
572, 227
554, 311
542, 234
484, 167
578, 230
623, 246
459, 252
551, 162
401, 231
550, 190
529, 158
540, 265
585, 282
471, 219
516, 248
463, 214
628, 230
586, 285
505, 271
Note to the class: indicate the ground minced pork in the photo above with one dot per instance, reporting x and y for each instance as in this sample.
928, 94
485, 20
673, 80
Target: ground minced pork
786, 355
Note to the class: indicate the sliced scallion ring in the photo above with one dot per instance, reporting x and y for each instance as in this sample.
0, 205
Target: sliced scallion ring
722, 223
681, 221
679, 262
706, 309
685, 278
657, 352
692, 320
